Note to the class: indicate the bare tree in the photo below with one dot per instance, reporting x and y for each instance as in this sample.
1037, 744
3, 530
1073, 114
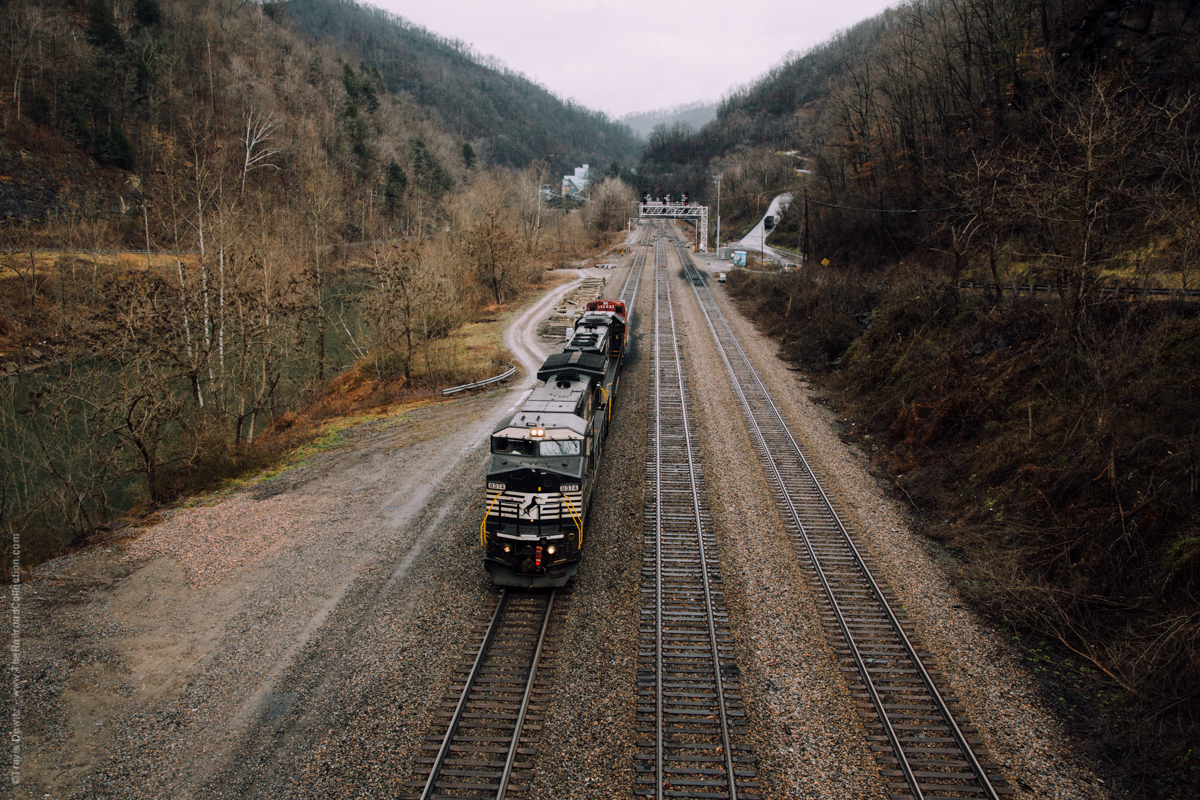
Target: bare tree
533, 204
257, 153
986, 214
1079, 184
611, 204
488, 236
25, 28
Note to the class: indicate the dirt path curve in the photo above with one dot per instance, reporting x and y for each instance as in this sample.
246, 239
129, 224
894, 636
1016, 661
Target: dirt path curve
242, 648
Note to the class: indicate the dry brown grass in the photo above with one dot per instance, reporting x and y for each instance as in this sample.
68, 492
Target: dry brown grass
47, 262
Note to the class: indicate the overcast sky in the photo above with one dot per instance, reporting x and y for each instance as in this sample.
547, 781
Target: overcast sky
619, 56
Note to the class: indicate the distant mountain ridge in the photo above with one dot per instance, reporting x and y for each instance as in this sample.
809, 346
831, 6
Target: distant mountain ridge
696, 115
506, 116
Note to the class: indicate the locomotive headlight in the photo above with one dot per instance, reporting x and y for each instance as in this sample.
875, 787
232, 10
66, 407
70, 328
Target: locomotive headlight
537, 433
507, 549
500, 487
550, 549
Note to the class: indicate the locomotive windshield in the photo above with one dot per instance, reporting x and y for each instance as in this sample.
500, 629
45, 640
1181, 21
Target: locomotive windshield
525, 447
559, 447
520, 447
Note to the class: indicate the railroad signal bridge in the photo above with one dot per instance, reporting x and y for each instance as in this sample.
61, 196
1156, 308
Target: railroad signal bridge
657, 209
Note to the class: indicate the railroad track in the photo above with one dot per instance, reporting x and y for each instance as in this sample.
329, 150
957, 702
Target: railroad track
915, 726
689, 708
634, 279
494, 718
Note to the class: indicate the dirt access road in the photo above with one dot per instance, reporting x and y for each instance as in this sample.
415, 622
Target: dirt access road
215, 654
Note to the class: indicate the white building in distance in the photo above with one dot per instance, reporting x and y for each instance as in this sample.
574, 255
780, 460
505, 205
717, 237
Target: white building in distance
573, 185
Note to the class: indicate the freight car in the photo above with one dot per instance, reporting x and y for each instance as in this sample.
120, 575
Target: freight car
545, 458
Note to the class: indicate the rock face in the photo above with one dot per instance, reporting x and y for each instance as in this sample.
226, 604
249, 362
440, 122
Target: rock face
1146, 35
39, 184
24, 195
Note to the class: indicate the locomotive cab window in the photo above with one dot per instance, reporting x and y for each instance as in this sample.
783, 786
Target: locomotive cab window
559, 447
519, 447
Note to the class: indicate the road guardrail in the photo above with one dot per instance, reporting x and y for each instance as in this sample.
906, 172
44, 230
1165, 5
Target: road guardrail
495, 379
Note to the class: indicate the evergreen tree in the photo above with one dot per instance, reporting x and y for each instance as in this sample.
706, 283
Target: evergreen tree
147, 13
114, 147
361, 89
393, 192
102, 30
350, 82
468, 154
428, 173
369, 85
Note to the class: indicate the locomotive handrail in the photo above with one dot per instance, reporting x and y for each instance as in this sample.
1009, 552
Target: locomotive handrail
608, 405
576, 517
486, 514
494, 379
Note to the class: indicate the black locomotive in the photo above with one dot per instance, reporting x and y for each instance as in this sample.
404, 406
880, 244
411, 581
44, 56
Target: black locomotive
546, 456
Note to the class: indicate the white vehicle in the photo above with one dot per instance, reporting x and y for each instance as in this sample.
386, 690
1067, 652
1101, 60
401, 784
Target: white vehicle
720, 277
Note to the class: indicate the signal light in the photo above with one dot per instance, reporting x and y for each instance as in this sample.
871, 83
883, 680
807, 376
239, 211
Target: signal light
538, 559
685, 198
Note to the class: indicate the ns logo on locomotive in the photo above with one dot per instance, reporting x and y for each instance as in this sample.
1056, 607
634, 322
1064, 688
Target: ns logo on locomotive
545, 457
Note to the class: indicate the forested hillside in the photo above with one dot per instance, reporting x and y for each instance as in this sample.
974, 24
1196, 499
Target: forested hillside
291, 221
1051, 440
222, 99
508, 118
771, 115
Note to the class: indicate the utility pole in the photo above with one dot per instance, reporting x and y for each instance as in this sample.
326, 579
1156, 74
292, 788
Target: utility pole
717, 178
804, 249
146, 220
